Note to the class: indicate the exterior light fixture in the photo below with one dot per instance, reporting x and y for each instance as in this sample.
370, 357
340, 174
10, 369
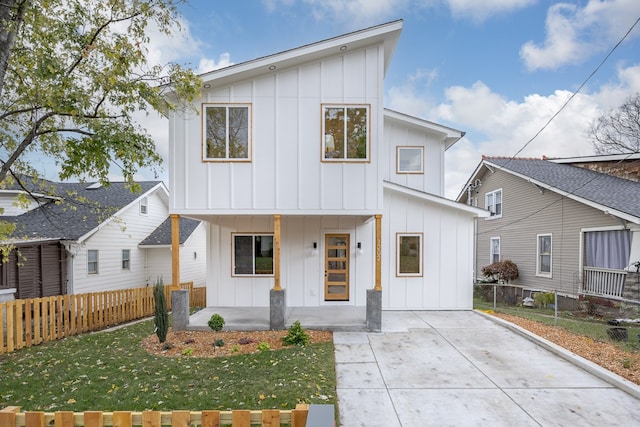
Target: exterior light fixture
343, 48
360, 250
272, 67
206, 85
315, 248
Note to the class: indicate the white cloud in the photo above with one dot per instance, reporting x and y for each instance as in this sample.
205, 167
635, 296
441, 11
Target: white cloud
207, 64
357, 11
574, 33
479, 11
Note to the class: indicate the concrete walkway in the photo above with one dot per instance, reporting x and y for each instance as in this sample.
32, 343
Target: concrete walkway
463, 369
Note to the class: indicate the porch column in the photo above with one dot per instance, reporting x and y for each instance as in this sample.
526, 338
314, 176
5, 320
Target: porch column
179, 297
175, 251
277, 302
374, 296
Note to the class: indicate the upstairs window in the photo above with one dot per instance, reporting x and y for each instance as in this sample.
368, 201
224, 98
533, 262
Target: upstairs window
226, 132
346, 133
410, 159
493, 202
252, 254
144, 205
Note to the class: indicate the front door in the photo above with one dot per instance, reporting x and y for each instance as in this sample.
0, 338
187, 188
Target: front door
336, 267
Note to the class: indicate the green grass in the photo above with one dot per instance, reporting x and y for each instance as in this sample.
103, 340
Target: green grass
110, 371
595, 329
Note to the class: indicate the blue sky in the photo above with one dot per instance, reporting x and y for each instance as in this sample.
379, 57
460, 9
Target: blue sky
496, 69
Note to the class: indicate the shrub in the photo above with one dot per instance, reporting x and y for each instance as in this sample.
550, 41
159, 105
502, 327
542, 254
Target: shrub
296, 336
505, 270
218, 343
264, 346
161, 315
216, 322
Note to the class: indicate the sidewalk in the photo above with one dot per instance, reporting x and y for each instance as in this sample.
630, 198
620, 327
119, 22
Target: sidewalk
462, 368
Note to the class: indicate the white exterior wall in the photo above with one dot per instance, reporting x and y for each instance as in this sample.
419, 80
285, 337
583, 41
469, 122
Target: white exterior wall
192, 267
110, 240
401, 134
286, 173
446, 283
9, 207
302, 271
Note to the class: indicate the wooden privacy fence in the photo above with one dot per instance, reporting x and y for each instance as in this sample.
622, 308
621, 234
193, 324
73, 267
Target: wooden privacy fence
12, 417
28, 322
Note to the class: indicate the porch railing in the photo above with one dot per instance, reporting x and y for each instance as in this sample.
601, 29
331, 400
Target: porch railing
603, 282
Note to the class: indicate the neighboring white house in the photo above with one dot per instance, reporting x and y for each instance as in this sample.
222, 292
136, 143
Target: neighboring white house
308, 184
76, 238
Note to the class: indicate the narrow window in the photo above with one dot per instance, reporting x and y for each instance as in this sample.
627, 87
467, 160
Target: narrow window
345, 131
252, 254
495, 249
144, 204
544, 256
227, 132
409, 254
410, 159
493, 202
126, 259
92, 261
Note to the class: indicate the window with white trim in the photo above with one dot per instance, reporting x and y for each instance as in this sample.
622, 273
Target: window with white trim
92, 261
495, 250
126, 259
226, 132
410, 160
493, 203
345, 130
409, 254
144, 206
544, 261
252, 254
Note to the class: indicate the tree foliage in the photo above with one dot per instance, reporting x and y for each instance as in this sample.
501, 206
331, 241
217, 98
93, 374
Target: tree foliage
161, 314
505, 270
618, 131
76, 72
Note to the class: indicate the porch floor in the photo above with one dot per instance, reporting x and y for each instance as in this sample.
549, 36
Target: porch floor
332, 318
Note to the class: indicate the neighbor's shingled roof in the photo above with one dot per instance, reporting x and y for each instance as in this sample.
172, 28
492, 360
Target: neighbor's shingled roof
161, 236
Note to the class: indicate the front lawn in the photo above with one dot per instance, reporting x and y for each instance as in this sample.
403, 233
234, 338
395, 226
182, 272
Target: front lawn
110, 371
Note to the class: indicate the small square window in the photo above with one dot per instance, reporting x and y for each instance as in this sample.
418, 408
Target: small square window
226, 132
410, 160
92, 261
409, 254
126, 259
345, 131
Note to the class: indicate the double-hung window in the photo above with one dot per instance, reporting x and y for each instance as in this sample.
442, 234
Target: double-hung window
92, 261
227, 132
252, 254
544, 260
410, 160
345, 130
495, 249
126, 259
493, 202
409, 254
144, 206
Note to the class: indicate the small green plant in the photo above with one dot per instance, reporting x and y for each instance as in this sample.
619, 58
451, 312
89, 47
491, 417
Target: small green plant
216, 322
296, 335
218, 343
544, 299
627, 363
161, 315
264, 346
235, 348
187, 351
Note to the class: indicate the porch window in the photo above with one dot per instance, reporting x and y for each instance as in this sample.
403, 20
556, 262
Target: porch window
226, 132
252, 254
609, 249
409, 254
544, 260
126, 259
493, 203
345, 131
410, 160
495, 249
92, 261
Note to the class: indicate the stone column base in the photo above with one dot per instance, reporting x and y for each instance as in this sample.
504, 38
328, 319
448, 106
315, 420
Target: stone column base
278, 307
179, 309
374, 310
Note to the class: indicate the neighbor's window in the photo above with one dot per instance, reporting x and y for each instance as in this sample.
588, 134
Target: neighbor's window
227, 132
144, 204
346, 132
252, 254
544, 261
410, 159
92, 261
126, 259
495, 249
493, 202
409, 254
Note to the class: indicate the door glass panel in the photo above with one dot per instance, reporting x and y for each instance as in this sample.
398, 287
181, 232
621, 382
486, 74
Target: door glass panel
337, 265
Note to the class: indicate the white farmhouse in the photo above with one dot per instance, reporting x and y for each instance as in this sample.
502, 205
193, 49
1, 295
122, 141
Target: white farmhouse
315, 194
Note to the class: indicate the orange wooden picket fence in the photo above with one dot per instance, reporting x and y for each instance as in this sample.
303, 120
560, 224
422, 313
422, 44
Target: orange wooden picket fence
28, 322
12, 417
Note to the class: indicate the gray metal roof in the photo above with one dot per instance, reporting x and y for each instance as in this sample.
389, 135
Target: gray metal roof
79, 211
161, 236
609, 191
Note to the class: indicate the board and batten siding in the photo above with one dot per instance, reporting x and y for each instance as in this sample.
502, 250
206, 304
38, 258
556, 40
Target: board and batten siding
528, 211
302, 271
124, 233
447, 280
286, 173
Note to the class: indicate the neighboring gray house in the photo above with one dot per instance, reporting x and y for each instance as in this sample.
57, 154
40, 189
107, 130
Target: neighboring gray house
569, 224
76, 237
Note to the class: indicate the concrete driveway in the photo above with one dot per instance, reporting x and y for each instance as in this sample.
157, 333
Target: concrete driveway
462, 368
